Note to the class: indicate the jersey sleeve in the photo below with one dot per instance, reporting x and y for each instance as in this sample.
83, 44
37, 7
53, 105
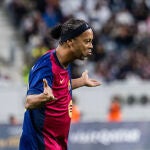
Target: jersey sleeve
37, 74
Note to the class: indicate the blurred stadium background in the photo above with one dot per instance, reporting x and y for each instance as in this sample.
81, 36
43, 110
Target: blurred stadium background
121, 61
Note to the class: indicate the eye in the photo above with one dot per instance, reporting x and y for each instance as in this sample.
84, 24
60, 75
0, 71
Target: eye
88, 41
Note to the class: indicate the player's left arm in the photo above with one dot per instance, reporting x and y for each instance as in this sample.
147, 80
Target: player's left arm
84, 80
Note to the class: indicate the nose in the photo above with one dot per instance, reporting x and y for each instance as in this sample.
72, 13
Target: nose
91, 45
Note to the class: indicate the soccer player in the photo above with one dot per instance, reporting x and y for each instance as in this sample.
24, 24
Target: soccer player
49, 96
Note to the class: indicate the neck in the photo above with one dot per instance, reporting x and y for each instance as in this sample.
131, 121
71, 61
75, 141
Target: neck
64, 56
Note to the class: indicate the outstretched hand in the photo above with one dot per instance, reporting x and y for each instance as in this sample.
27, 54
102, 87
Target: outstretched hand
48, 91
88, 81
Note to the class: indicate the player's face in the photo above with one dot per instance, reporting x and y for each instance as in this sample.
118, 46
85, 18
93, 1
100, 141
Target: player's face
82, 45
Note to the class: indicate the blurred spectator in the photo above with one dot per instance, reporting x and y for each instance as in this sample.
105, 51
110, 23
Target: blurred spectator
76, 114
114, 112
144, 99
52, 15
131, 99
17, 10
13, 120
122, 31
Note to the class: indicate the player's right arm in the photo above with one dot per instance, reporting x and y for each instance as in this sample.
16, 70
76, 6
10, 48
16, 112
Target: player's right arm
38, 100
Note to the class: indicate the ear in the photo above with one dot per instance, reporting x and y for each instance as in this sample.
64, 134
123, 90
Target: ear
69, 42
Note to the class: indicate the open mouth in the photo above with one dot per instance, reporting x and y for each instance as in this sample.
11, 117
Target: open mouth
90, 52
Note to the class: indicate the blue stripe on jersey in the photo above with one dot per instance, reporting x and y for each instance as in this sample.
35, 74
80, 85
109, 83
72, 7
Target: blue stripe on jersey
28, 138
41, 70
34, 119
31, 138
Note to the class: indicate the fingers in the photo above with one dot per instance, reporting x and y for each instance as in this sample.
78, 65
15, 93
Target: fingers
53, 98
86, 71
85, 74
47, 91
89, 82
50, 97
95, 82
45, 83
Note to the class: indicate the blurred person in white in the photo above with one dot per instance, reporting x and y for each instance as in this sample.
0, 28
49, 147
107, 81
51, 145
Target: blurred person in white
73, 7
99, 15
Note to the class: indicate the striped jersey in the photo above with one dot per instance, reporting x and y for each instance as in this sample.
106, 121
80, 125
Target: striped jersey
47, 128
